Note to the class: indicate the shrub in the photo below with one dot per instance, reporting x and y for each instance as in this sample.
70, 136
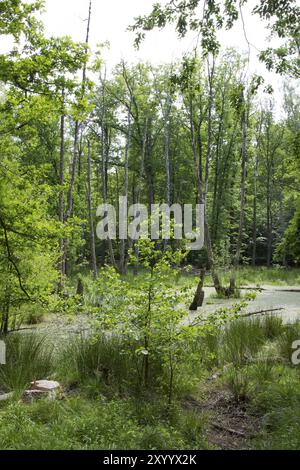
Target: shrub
32, 315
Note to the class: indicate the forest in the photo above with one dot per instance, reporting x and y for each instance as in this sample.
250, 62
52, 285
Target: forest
149, 344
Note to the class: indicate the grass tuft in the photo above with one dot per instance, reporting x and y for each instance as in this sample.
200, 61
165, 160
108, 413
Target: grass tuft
241, 340
28, 358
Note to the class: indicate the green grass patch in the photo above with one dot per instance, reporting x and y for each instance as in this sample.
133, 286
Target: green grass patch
29, 357
79, 424
259, 276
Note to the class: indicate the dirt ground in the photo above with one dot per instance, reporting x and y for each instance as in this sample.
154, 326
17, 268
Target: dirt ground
231, 425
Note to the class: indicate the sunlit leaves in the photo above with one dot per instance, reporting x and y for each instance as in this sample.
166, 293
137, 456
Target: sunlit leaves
283, 19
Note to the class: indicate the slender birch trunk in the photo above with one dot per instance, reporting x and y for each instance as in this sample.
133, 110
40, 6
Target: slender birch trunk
90, 211
255, 176
139, 187
104, 151
237, 256
62, 263
123, 261
243, 188
254, 230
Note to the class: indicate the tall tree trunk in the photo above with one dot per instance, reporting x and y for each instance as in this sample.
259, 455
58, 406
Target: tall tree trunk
136, 197
243, 189
90, 210
150, 186
167, 154
78, 124
225, 172
77, 129
167, 148
216, 193
281, 219
197, 161
269, 236
73, 171
202, 186
255, 175
203, 197
199, 295
105, 150
80, 153
5, 315
237, 256
62, 262
254, 230
123, 261
269, 222
269, 184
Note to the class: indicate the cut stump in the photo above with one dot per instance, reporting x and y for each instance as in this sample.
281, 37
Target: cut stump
42, 389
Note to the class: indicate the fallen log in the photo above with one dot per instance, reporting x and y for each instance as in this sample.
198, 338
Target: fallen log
220, 427
287, 290
259, 312
246, 288
245, 315
261, 289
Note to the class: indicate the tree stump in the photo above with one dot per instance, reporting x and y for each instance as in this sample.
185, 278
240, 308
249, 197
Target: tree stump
80, 287
199, 295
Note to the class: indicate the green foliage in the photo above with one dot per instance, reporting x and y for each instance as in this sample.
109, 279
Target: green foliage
250, 295
207, 346
147, 312
291, 239
282, 19
29, 314
171, 132
18, 17
29, 241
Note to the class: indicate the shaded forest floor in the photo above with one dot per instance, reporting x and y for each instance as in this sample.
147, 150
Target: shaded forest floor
231, 425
